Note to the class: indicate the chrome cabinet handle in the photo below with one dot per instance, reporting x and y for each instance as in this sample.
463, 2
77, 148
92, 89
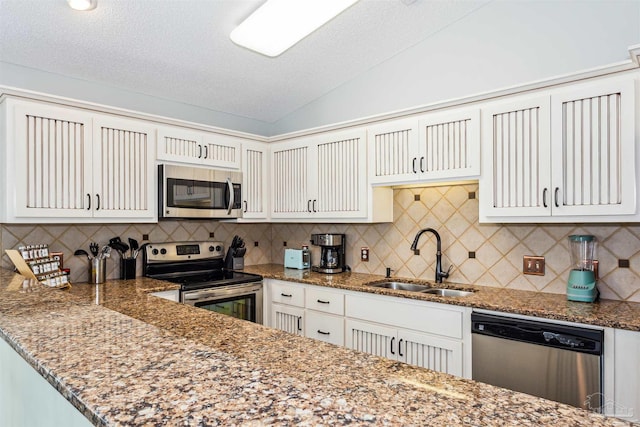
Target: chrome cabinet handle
232, 196
88, 201
97, 202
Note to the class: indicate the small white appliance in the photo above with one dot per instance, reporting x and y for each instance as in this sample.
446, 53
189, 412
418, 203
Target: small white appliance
297, 258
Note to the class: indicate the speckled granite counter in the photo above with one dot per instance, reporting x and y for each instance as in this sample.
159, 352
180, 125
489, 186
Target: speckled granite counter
607, 313
123, 357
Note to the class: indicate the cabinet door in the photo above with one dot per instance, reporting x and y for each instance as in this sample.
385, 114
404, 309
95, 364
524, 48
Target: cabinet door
371, 338
428, 351
394, 150
450, 145
594, 164
51, 165
221, 150
254, 180
123, 173
290, 164
287, 318
324, 327
516, 174
179, 145
341, 175
624, 400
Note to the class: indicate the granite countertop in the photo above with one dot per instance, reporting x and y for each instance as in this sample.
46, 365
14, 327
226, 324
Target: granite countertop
124, 357
606, 313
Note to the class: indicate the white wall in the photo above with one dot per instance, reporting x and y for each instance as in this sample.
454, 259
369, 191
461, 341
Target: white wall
471, 57
16, 76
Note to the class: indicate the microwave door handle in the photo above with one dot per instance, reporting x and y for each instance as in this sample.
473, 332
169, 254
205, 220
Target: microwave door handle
231, 196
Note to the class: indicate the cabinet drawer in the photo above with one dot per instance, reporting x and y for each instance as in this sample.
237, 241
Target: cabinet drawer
287, 293
416, 315
325, 301
324, 327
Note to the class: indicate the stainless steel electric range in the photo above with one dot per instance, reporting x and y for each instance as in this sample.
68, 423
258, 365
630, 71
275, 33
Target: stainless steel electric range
199, 269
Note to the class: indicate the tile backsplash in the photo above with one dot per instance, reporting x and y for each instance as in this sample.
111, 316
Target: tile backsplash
452, 210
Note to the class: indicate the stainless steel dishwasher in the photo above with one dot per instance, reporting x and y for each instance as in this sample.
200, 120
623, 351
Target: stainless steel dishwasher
556, 362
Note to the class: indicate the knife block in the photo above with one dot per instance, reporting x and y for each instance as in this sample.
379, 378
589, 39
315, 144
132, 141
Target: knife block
232, 262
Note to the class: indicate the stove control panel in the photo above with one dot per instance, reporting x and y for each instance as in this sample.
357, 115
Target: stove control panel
183, 251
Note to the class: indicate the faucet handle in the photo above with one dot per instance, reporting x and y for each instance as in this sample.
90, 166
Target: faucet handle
444, 274
389, 270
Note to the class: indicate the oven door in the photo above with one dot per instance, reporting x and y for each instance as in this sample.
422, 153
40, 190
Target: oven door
243, 301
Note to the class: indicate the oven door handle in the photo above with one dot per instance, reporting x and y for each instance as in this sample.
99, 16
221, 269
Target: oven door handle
231, 196
222, 291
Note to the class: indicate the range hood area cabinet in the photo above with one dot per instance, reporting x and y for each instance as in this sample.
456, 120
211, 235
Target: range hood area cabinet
324, 177
438, 146
63, 164
182, 145
566, 155
255, 181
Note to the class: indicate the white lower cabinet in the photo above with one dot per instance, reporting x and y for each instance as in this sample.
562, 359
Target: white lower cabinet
622, 374
287, 318
324, 327
430, 335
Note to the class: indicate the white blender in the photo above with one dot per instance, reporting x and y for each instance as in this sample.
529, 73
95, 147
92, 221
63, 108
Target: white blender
582, 280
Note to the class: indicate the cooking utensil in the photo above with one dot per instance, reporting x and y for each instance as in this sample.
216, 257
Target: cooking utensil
80, 252
133, 243
94, 248
106, 252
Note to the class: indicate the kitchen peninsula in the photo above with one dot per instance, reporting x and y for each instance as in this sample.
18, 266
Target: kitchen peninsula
124, 357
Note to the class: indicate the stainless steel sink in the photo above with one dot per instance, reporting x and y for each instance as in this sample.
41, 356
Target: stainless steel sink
401, 286
447, 292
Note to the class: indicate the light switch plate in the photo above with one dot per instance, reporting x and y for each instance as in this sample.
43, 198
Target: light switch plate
533, 265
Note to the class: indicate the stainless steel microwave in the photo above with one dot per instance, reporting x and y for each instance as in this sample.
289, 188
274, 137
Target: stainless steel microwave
193, 192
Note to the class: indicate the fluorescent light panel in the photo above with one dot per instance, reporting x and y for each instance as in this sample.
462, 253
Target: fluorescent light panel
279, 24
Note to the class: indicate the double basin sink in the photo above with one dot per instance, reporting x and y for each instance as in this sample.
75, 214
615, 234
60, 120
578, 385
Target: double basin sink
423, 289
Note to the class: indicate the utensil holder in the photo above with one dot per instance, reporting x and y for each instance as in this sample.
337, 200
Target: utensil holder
98, 270
127, 268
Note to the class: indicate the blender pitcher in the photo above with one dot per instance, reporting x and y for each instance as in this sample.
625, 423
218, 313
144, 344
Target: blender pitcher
582, 281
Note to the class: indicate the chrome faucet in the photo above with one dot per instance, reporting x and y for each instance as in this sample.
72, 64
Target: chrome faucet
440, 274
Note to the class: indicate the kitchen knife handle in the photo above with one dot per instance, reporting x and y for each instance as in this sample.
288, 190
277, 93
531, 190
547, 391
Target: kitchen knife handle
97, 202
88, 201
544, 197
231, 196
392, 341
400, 348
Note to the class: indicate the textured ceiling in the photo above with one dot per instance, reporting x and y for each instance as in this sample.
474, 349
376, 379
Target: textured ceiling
180, 49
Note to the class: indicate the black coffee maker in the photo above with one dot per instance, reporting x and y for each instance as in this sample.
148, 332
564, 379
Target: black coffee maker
332, 255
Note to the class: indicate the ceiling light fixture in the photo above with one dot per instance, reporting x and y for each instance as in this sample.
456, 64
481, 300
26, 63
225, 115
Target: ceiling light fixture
83, 4
279, 24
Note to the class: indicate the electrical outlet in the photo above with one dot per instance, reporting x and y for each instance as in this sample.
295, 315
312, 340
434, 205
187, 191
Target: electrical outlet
533, 265
364, 254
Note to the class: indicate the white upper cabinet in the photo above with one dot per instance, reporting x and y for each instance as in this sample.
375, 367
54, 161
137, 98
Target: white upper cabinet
432, 147
255, 156
67, 164
566, 155
201, 148
324, 177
